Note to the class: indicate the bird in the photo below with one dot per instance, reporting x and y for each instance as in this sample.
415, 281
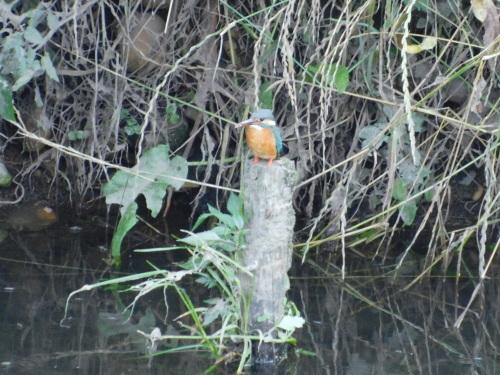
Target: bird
263, 136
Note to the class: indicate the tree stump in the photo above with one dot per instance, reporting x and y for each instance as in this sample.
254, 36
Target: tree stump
268, 255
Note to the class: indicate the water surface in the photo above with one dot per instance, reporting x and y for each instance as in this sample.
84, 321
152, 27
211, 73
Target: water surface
367, 323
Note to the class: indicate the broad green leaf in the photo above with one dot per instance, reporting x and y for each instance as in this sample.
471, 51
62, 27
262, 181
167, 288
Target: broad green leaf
239, 222
223, 218
341, 79
408, 171
49, 68
291, 323
408, 212
234, 204
6, 102
332, 74
207, 282
53, 21
399, 192
371, 132
32, 35
127, 222
218, 310
266, 96
27, 76
154, 173
35, 17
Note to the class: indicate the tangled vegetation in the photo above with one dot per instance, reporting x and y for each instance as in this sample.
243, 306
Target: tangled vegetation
390, 110
387, 108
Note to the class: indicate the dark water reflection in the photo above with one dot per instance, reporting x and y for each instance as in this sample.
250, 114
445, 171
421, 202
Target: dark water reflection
363, 325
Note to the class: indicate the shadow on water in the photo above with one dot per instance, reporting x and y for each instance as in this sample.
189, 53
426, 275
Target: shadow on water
365, 324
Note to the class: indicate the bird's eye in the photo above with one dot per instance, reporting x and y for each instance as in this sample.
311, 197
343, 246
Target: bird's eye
261, 119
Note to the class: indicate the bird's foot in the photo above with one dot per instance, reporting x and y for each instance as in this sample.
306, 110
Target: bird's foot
256, 160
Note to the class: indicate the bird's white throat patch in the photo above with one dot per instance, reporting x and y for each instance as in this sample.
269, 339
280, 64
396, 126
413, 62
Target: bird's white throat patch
257, 127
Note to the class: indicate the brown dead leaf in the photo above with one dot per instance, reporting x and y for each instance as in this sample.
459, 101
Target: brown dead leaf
491, 24
486, 12
476, 103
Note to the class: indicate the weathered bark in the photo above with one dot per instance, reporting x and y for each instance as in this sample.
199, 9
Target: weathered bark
268, 256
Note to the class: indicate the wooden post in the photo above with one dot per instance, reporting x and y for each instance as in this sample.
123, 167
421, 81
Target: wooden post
268, 256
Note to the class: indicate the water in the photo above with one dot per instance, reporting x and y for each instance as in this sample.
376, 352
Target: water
364, 324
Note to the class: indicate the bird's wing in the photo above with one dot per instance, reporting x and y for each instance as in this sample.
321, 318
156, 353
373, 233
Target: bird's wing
278, 139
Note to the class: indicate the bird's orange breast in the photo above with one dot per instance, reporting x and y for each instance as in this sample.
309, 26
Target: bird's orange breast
262, 143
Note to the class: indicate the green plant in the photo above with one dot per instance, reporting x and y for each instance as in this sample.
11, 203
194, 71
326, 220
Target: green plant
21, 55
214, 255
213, 262
172, 115
151, 177
332, 75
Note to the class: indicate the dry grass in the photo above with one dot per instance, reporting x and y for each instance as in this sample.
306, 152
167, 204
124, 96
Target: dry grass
422, 123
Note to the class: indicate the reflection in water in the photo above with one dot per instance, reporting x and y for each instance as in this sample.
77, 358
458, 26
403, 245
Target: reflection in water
368, 324
365, 324
38, 272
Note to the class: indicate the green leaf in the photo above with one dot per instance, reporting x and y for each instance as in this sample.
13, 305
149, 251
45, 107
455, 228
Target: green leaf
223, 218
53, 21
399, 192
78, 135
127, 222
201, 219
265, 317
235, 209
239, 222
200, 239
32, 35
266, 96
24, 79
422, 5
154, 173
341, 79
132, 127
6, 102
205, 281
332, 74
408, 212
234, 204
5, 178
49, 68
291, 323
218, 310
35, 17
371, 132
173, 118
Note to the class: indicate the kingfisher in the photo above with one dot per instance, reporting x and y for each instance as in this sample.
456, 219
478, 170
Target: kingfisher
263, 136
